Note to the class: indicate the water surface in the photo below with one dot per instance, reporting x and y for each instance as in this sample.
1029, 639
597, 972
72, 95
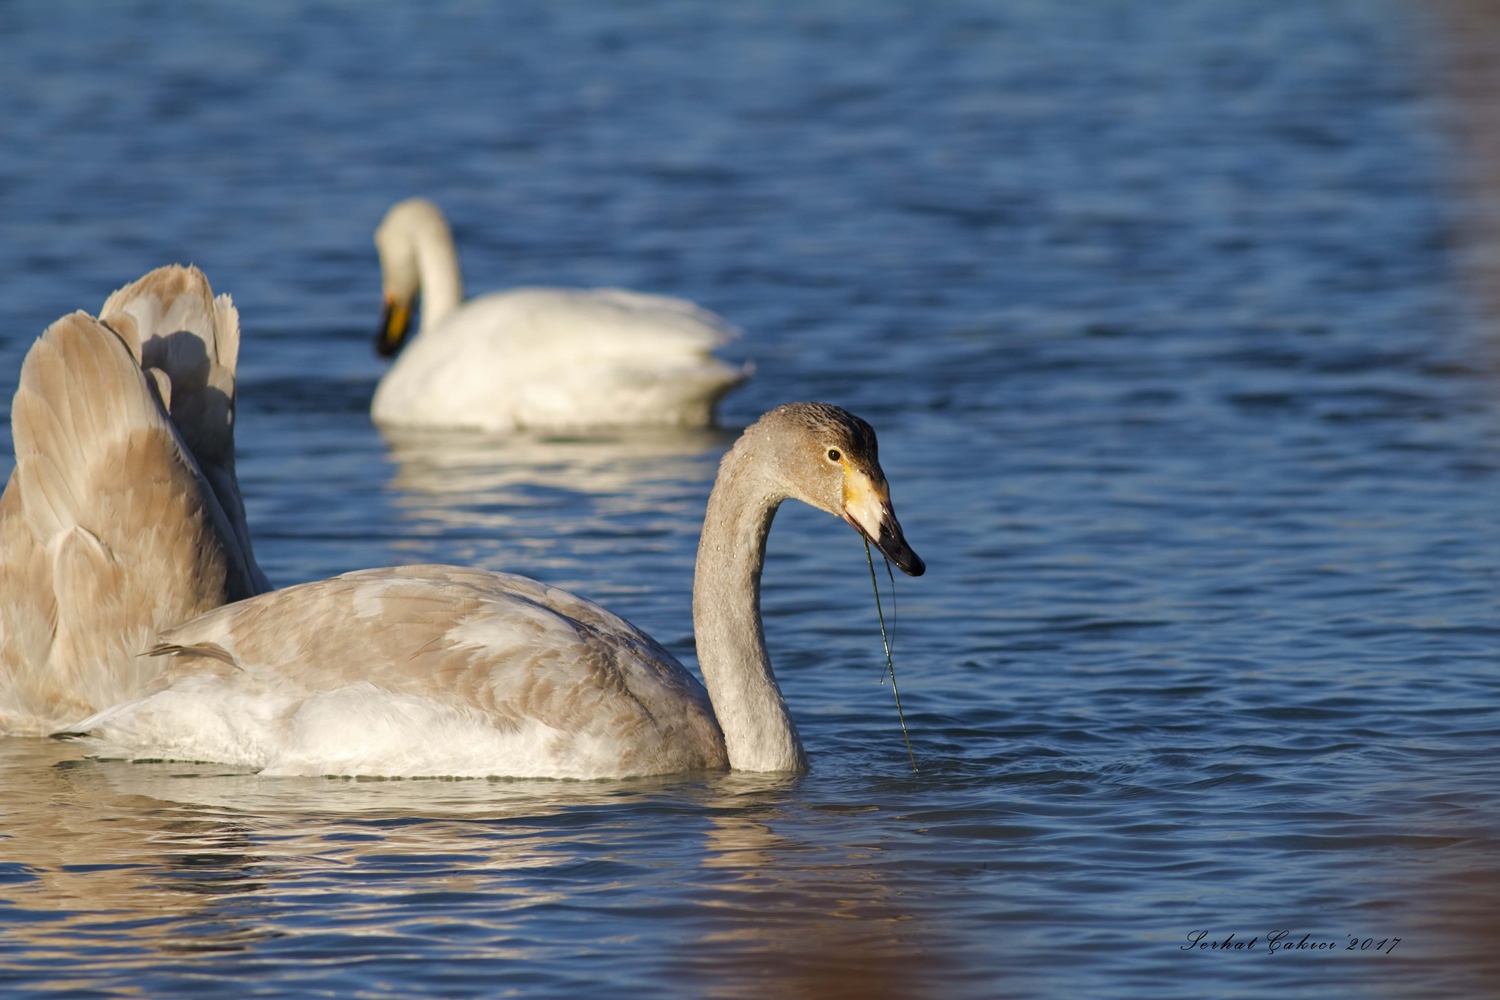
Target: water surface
1155, 311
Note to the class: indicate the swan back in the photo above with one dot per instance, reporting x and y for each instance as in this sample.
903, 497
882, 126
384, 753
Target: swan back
109, 529
555, 357
420, 670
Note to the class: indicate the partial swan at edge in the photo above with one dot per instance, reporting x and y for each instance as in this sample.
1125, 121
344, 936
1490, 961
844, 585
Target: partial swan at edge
123, 514
439, 670
534, 357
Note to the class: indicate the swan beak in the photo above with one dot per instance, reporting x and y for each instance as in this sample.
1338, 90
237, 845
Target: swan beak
395, 318
867, 506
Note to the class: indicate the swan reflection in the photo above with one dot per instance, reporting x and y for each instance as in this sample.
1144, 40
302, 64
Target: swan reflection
803, 918
165, 854
146, 865
549, 499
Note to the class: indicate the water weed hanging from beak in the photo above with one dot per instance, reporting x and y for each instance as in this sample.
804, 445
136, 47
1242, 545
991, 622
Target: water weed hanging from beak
885, 638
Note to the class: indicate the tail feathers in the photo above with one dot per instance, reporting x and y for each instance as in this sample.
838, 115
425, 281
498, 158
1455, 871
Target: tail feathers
171, 322
79, 393
109, 529
95, 452
183, 336
171, 300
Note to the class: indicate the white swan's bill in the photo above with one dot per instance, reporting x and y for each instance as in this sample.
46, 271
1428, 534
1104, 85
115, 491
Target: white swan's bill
541, 358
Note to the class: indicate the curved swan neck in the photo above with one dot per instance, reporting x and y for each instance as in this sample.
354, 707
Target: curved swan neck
437, 265
759, 734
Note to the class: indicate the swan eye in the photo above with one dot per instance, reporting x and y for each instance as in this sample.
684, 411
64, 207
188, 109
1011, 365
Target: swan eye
833, 455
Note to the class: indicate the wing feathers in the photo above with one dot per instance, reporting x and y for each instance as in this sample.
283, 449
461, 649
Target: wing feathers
109, 530
206, 650
505, 651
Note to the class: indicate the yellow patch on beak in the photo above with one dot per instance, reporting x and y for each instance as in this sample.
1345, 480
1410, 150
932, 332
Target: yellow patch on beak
394, 320
865, 502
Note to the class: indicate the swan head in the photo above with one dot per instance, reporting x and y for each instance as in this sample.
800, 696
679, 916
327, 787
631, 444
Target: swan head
829, 458
412, 229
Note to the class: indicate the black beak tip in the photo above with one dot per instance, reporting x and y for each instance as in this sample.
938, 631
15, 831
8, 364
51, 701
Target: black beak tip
893, 544
382, 336
391, 335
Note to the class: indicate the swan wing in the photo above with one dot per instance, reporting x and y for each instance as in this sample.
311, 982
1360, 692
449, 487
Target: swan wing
108, 531
173, 323
421, 670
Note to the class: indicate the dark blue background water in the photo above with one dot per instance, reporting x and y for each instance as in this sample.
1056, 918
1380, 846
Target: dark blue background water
1154, 309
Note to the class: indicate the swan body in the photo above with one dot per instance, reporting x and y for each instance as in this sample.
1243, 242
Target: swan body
439, 670
535, 357
122, 515
421, 670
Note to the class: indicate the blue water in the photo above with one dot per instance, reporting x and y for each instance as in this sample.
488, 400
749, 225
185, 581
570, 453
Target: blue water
1155, 308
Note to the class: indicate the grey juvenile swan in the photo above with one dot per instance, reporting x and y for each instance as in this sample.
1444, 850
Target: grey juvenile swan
123, 514
438, 670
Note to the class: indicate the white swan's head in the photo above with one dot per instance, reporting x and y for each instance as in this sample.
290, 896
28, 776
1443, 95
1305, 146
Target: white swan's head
829, 458
411, 230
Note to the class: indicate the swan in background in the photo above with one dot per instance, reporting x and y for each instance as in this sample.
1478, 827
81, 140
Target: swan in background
123, 514
437, 670
534, 357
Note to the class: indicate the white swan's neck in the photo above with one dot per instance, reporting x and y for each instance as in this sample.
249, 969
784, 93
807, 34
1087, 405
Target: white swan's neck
437, 270
758, 730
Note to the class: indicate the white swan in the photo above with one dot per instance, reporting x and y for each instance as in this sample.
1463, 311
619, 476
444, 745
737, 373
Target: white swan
123, 514
534, 357
436, 670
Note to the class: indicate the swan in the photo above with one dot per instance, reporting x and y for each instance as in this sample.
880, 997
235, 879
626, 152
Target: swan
123, 514
445, 671
534, 357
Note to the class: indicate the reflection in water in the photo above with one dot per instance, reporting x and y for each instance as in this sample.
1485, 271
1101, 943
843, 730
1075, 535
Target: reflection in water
1468, 35
1455, 933
1442, 900
156, 864
1455, 889
138, 860
541, 497
166, 856
800, 919
455, 469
